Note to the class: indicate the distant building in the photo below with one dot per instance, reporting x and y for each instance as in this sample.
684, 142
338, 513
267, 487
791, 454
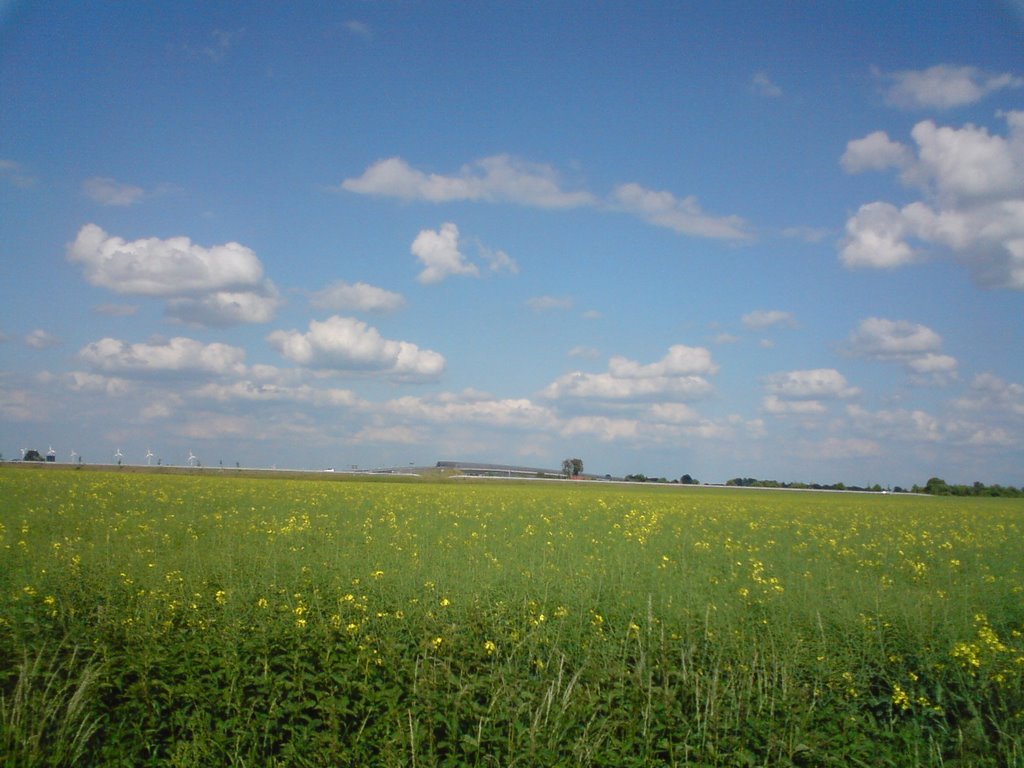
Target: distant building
497, 470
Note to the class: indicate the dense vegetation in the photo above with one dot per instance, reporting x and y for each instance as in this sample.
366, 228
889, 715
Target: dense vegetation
935, 486
195, 621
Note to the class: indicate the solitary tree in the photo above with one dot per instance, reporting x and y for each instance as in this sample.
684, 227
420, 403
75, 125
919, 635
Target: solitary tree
572, 467
33, 455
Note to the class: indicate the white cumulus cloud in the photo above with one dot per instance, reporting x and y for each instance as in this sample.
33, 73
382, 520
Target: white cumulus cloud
993, 393
438, 252
877, 237
155, 267
678, 375
507, 412
347, 344
972, 185
224, 308
916, 346
178, 355
944, 86
875, 152
680, 360
877, 337
900, 425
816, 384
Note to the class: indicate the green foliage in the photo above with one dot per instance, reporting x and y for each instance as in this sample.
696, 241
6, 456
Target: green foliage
572, 467
936, 486
194, 621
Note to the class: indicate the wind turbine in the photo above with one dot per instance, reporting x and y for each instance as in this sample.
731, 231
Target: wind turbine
23, 454
192, 458
149, 457
118, 455
73, 455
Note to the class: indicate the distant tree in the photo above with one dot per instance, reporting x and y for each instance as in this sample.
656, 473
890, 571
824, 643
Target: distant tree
936, 486
572, 467
687, 480
33, 455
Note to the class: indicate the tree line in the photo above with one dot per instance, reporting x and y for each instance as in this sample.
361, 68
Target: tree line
936, 486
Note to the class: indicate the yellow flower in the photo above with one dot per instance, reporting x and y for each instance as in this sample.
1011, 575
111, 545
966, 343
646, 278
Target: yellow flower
900, 698
436, 642
262, 602
490, 647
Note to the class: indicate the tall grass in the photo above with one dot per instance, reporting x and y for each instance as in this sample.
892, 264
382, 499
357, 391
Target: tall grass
49, 715
151, 620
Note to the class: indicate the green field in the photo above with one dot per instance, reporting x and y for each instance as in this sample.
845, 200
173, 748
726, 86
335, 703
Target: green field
197, 620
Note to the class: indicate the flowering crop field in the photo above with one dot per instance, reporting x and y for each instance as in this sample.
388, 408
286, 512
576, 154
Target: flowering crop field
198, 620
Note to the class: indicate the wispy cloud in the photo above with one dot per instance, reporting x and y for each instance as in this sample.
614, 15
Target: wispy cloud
549, 303
116, 310
15, 174
359, 29
341, 296
503, 179
682, 215
499, 178
760, 319
763, 86
216, 46
41, 339
107, 191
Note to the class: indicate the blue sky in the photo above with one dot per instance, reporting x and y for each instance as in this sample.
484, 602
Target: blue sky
779, 240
